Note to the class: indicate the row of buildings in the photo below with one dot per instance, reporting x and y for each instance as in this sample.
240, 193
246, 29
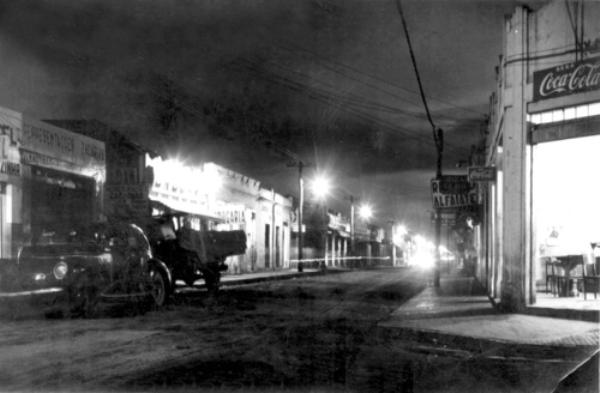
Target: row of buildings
543, 142
56, 175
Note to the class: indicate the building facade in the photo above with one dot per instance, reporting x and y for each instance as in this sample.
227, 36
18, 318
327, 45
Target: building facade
222, 199
543, 140
128, 179
51, 181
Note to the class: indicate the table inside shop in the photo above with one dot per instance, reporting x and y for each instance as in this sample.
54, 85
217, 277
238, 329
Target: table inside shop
567, 263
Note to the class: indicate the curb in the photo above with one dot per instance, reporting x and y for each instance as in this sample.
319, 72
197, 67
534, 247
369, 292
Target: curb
485, 346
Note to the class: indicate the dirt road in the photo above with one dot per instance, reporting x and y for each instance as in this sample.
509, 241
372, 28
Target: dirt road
314, 334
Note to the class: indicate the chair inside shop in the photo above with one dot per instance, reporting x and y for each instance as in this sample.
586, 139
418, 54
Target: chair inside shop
590, 279
552, 274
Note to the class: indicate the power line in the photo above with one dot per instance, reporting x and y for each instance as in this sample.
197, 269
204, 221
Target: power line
330, 99
437, 138
376, 78
359, 100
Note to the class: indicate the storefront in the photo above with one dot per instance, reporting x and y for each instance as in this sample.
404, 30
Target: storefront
127, 177
51, 182
63, 178
543, 140
566, 220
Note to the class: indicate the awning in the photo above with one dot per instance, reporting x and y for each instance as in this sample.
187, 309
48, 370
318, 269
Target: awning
169, 210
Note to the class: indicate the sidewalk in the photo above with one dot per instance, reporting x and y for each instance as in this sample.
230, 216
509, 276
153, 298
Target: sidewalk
459, 312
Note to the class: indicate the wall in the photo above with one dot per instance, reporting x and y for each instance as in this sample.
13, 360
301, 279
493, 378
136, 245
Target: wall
273, 246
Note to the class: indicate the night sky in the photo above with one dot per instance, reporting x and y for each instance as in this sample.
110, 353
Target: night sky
247, 84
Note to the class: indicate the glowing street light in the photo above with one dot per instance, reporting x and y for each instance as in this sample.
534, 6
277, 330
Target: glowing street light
321, 186
399, 233
365, 212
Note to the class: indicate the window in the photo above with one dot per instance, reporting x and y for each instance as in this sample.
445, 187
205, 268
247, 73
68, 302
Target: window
557, 115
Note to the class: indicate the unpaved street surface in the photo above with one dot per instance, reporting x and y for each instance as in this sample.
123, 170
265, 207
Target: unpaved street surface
312, 334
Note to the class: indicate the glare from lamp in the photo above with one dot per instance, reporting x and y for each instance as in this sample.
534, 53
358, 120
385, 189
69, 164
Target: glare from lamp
320, 186
365, 212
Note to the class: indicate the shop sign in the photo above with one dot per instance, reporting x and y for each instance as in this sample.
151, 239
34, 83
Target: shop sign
482, 174
567, 79
446, 218
233, 214
58, 146
31, 158
10, 168
126, 191
127, 200
338, 223
453, 191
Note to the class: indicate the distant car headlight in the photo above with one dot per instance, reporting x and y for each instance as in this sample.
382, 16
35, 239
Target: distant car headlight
60, 270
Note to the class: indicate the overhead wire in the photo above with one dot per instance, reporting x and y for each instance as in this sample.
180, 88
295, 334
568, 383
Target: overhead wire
359, 100
329, 99
437, 133
381, 80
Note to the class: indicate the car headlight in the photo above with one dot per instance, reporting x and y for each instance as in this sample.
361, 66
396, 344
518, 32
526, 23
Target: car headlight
60, 270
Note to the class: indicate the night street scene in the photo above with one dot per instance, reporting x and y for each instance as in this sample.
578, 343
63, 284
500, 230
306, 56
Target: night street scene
300, 196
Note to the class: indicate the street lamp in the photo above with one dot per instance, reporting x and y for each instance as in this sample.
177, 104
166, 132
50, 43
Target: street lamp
321, 186
365, 211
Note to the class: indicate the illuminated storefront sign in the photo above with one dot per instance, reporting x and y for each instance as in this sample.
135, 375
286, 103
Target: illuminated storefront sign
567, 79
184, 188
453, 191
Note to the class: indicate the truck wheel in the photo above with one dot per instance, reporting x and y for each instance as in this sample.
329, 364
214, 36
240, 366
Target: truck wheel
159, 287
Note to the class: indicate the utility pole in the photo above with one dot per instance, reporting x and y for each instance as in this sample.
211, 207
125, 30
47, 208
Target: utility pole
300, 208
438, 138
352, 226
300, 164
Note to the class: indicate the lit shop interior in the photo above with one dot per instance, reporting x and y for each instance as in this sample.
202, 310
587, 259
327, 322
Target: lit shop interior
565, 214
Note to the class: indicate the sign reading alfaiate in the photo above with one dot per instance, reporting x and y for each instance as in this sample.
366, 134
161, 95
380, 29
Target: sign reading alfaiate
453, 191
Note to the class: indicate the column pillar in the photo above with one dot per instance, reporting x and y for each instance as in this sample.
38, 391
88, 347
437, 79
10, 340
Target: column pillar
515, 236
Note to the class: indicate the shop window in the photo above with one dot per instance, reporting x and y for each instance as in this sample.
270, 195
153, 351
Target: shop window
569, 113
547, 117
558, 115
564, 197
594, 109
581, 111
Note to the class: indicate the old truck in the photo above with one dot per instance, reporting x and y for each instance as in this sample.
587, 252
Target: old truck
190, 254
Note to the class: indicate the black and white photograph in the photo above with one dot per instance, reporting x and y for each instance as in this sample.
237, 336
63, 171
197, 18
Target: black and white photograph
387, 196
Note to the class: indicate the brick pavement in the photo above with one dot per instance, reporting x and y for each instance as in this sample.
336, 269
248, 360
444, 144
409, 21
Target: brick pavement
460, 309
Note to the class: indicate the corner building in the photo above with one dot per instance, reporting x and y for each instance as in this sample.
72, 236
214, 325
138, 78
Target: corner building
544, 140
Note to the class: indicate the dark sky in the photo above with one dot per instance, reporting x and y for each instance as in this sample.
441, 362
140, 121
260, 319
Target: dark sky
245, 83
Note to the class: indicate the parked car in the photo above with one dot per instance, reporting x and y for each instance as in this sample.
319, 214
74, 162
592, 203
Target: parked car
100, 263
190, 254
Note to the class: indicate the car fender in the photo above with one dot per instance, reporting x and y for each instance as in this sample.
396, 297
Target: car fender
162, 266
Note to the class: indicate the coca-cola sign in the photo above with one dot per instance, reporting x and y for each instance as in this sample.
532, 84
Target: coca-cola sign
567, 79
